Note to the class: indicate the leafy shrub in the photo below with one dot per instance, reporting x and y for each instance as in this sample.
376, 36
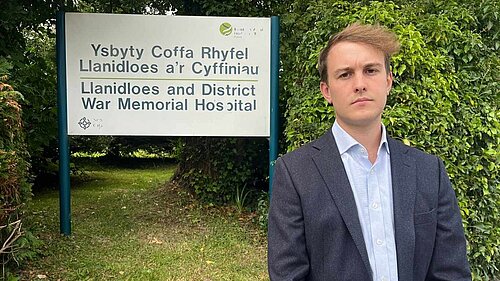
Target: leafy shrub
444, 100
14, 187
263, 211
123, 146
34, 75
214, 167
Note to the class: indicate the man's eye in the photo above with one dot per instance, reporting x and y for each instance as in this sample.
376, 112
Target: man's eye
371, 70
344, 75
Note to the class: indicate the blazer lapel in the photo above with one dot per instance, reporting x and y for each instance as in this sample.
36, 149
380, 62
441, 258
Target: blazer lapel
404, 178
331, 167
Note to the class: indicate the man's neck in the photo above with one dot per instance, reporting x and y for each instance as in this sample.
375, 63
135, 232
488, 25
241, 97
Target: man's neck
367, 136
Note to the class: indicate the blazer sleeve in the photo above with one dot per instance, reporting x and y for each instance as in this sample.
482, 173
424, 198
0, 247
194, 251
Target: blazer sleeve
449, 258
287, 254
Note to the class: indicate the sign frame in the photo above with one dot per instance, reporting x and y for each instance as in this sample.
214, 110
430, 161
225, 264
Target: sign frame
176, 76
62, 88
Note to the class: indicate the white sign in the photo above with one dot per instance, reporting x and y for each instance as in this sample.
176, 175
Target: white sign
167, 75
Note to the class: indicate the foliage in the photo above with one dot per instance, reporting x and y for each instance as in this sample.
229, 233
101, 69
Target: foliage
36, 79
27, 43
215, 167
444, 100
240, 198
126, 6
487, 13
263, 211
20, 15
123, 146
15, 190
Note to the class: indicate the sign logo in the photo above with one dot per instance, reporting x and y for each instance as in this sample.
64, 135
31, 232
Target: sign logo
84, 123
226, 29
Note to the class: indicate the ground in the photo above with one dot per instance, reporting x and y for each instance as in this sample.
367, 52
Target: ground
133, 223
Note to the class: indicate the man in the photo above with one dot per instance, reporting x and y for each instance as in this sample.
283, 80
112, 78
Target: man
356, 204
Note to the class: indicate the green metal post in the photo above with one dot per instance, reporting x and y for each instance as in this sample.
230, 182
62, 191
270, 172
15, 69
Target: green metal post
275, 66
64, 185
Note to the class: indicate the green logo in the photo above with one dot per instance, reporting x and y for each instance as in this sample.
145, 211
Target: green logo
225, 29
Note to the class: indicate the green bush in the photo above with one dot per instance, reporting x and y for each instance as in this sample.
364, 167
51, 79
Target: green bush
263, 211
35, 77
123, 146
15, 190
444, 100
215, 168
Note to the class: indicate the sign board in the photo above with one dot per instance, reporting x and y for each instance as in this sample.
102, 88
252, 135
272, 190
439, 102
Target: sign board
167, 75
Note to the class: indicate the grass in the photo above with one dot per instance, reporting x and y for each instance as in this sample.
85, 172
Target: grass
129, 225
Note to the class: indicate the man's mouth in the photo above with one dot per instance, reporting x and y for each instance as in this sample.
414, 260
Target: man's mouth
362, 99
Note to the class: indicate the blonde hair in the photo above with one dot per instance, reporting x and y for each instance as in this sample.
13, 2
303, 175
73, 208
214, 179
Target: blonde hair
376, 36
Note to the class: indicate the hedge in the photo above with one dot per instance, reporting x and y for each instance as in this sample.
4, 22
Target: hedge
15, 190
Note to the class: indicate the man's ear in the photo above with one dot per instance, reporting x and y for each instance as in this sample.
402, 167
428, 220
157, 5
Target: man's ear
325, 90
389, 82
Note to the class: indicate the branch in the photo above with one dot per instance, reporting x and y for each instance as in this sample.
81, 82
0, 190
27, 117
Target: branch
7, 246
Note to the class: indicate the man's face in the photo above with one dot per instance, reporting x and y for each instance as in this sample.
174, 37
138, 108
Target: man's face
358, 84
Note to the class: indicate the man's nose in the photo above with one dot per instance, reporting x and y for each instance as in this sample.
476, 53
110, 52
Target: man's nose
359, 84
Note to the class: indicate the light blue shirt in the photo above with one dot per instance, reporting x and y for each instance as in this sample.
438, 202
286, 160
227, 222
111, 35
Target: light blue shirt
372, 189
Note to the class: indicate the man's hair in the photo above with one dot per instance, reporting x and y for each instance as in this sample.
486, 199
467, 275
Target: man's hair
376, 36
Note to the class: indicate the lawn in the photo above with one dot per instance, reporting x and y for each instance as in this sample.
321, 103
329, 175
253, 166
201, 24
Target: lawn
131, 223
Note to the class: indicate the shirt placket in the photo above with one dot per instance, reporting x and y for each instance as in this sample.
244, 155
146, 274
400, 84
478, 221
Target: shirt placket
377, 226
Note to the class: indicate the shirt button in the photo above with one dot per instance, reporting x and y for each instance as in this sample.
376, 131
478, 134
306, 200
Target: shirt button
384, 278
374, 205
380, 242
371, 171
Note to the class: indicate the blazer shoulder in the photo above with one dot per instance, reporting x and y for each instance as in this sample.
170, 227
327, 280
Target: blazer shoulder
309, 149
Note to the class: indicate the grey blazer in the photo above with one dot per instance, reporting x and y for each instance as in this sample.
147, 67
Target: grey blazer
314, 232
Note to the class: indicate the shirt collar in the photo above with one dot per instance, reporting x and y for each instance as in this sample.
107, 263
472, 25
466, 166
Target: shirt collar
345, 141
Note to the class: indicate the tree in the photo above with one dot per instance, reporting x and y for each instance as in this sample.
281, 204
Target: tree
27, 43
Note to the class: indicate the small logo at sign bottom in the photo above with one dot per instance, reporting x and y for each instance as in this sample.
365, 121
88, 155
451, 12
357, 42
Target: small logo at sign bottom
84, 123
